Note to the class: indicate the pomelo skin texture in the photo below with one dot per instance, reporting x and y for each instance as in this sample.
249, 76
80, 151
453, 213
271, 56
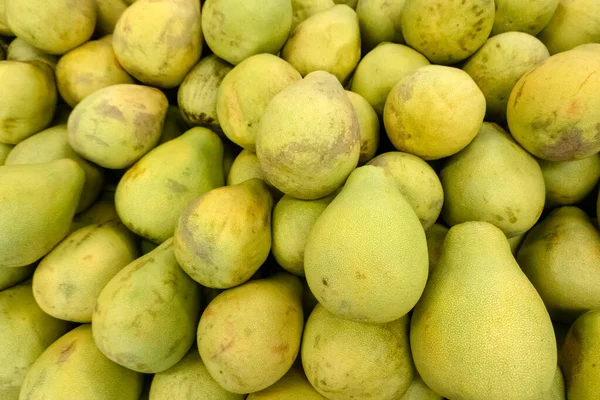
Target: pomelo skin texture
480, 330
444, 31
499, 64
308, 138
366, 257
434, 112
554, 110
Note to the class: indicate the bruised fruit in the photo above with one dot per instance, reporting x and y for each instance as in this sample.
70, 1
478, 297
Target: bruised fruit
418, 117
224, 236
308, 140
115, 126
260, 347
346, 359
26, 332
88, 68
327, 41
73, 368
554, 110
447, 32
146, 316
54, 27
493, 180
159, 41
153, 193
69, 279
28, 99
197, 95
237, 29
245, 93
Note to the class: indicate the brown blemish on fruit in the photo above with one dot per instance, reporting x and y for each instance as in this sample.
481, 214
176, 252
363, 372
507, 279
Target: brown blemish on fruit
145, 125
360, 276
176, 345
134, 172
511, 215
542, 123
67, 289
569, 144
97, 140
223, 348
108, 110
137, 266
158, 298
281, 349
66, 352
176, 187
325, 281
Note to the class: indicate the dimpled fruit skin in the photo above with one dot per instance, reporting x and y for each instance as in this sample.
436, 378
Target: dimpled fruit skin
434, 112
308, 140
245, 93
292, 386
117, 125
417, 181
249, 336
569, 182
561, 257
188, 379
529, 16
145, 317
499, 64
327, 41
493, 180
366, 256
554, 110
28, 100
52, 26
580, 356
74, 368
159, 41
26, 332
346, 359
237, 29
447, 32
480, 330
381, 69
37, 205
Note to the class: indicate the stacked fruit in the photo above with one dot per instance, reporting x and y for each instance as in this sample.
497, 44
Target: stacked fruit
299, 199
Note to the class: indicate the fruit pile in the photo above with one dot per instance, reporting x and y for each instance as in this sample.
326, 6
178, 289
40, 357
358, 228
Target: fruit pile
299, 199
